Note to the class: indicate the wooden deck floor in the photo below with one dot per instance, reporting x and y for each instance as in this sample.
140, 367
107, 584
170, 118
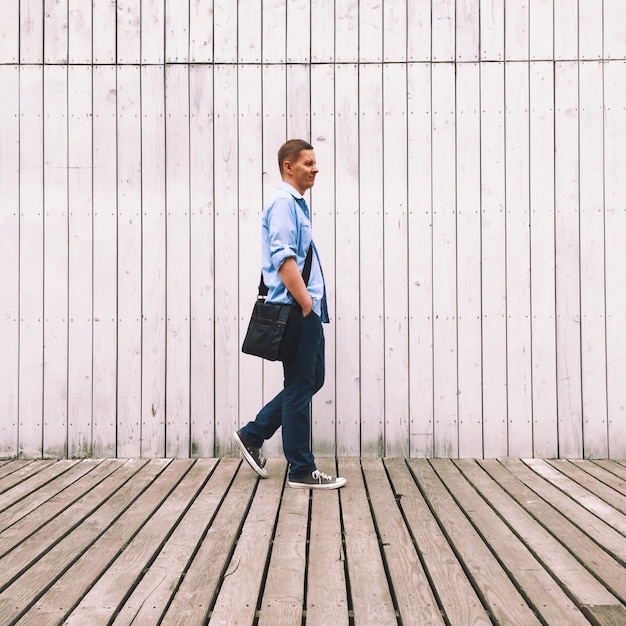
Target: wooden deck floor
405, 542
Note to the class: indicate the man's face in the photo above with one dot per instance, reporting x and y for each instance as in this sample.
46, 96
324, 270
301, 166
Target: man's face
301, 173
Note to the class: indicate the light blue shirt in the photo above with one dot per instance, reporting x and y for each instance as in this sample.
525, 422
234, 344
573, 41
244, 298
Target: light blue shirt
286, 228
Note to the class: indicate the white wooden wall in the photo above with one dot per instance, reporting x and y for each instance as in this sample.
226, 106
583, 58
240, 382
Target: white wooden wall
470, 212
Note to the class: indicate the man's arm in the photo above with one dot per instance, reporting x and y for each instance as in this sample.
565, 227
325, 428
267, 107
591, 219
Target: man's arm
292, 278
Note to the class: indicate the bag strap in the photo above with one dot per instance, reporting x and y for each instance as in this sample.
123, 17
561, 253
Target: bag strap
306, 273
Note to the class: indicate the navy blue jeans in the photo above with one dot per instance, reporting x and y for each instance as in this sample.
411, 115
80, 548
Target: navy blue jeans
291, 408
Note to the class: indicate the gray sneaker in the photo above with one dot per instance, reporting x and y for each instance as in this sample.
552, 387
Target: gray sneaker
251, 454
318, 480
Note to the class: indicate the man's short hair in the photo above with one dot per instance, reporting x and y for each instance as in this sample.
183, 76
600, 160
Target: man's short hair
290, 151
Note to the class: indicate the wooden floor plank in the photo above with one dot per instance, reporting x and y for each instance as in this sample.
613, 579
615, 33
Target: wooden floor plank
593, 556
100, 604
195, 542
327, 594
587, 499
19, 596
238, 596
150, 598
34, 499
86, 571
9, 467
196, 594
613, 467
25, 471
604, 475
457, 597
371, 598
48, 524
498, 593
558, 563
591, 483
584, 519
414, 597
283, 595
34, 482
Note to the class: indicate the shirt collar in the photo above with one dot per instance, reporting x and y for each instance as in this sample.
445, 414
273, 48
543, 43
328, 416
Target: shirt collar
292, 190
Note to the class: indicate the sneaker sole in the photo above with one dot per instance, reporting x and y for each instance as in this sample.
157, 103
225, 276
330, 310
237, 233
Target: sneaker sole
246, 455
335, 485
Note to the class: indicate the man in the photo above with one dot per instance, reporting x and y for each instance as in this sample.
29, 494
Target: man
286, 231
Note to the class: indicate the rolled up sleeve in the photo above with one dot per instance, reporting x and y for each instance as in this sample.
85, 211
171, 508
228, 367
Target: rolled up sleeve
283, 233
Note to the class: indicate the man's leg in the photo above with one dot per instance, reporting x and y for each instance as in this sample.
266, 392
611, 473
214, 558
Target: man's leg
266, 423
303, 377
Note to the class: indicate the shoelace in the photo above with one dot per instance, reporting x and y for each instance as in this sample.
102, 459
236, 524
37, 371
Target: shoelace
321, 476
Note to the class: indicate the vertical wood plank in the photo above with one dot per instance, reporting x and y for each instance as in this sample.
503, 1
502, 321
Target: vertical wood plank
592, 253
227, 344
249, 32
176, 31
567, 217
202, 260
298, 31
420, 208
128, 262
31, 262
516, 30
446, 437
80, 301
128, 31
492, 30
590, 30
418, 30
542, 260
493, 228
615, 226
9, 32
372, 339
518, 277
55, 30
614, 30
274, 31
467, 30
105, 35
154, 303
177, 281
541, 30
250, 169
225, 31
31, 31
274, 88
104, 399
443, 30
9, 257
566, 29
299, 101
323, 215
394, 33
56, 261
155, 33
395, 180
468, 259
80, 31
201, 35
322, 45
370, 31
347, 262
346, 31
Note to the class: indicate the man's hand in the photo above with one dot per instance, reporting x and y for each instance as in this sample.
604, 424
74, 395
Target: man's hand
292, 279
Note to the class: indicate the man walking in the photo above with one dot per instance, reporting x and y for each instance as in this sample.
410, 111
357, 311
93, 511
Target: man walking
286, 238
